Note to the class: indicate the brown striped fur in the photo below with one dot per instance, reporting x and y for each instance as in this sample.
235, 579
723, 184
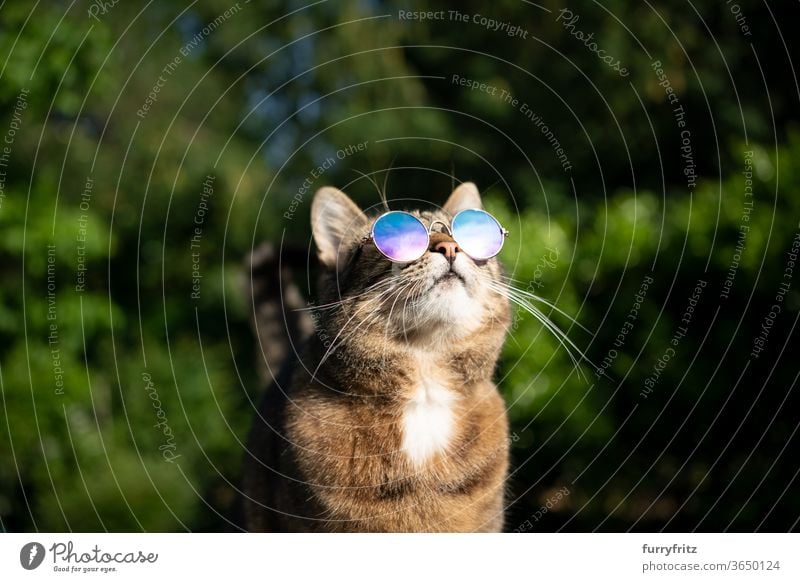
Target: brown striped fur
326, 451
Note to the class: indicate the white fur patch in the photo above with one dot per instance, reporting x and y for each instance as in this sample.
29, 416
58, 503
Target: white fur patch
427, 420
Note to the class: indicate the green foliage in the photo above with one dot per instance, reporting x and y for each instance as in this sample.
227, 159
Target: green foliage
101, 338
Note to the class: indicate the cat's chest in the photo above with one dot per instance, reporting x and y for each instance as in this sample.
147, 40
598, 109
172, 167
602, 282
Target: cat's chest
428, 419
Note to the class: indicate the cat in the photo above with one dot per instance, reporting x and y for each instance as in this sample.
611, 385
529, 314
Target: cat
385, 418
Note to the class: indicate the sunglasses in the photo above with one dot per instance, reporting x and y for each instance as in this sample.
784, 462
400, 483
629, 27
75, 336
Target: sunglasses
402, 237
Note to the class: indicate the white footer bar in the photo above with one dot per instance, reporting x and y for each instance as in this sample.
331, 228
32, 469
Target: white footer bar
390, 557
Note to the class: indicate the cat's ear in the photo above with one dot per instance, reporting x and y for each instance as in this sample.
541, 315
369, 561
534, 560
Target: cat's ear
464, 197
335, 219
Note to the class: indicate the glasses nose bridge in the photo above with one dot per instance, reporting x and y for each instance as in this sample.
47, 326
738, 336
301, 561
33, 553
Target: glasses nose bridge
443, 223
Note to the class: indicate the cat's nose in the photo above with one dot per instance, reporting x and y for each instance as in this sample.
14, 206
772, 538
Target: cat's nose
442, 243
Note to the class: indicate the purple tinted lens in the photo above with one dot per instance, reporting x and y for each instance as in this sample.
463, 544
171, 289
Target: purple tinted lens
400, 236
477, 233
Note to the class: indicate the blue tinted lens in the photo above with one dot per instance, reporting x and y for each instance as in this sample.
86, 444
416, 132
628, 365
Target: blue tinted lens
400, 236
477, 233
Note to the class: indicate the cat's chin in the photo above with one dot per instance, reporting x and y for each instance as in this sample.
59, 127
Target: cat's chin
450, 308
449, 305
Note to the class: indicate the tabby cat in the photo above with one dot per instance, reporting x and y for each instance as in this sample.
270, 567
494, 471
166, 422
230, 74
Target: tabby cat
385, 418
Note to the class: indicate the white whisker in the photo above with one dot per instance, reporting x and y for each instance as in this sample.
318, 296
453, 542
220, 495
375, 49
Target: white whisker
329, 351
521, 300
366, 291
552, 306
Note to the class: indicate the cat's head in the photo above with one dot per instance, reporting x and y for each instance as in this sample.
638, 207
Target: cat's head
437, 296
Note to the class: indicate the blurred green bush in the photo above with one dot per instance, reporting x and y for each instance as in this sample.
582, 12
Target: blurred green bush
263, 99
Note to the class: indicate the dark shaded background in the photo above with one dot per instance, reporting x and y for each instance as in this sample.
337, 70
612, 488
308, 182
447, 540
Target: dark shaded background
261, 97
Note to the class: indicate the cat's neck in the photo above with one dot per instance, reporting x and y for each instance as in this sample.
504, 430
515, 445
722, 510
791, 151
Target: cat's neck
374, 364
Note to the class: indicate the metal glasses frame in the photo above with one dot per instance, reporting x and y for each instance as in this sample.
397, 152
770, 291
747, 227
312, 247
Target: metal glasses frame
371, 236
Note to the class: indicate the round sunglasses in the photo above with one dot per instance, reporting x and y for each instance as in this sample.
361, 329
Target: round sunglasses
402, 237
